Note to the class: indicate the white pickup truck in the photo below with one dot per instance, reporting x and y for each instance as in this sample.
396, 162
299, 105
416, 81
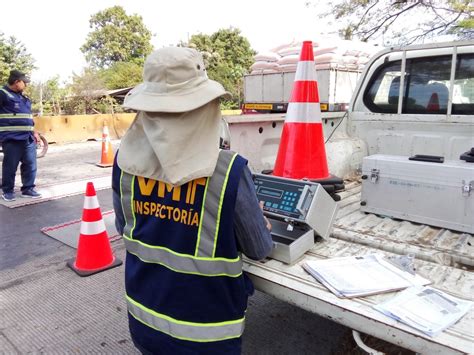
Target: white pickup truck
435, 117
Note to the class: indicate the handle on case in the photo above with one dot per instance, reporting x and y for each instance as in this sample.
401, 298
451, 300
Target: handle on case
427, 158
302, 200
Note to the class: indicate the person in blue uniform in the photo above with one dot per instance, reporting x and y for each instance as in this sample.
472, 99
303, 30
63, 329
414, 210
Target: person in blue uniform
187, 210
17, 137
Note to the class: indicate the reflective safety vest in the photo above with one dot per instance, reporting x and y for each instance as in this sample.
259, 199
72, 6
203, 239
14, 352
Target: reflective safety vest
16, 120
183, 277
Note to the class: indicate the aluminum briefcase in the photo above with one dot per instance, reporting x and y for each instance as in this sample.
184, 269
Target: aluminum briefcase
433, 193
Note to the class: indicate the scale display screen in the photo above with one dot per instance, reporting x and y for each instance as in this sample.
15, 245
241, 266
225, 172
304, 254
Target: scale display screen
279, 195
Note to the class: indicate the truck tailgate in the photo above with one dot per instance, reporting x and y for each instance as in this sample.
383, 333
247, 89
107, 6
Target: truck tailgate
441, 256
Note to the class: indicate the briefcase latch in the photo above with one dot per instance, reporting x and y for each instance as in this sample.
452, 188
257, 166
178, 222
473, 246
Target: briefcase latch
374, 175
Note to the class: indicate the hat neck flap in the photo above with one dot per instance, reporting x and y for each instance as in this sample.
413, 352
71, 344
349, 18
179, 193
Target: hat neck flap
172, 147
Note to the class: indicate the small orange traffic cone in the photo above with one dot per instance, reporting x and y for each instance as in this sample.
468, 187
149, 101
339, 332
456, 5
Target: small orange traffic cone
107, 157
433, 104
302, 153
94, 253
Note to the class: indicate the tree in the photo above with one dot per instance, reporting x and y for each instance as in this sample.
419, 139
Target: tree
47, 97
13, 55
86, 92
228, 56
116, 37
122, 75
403, 21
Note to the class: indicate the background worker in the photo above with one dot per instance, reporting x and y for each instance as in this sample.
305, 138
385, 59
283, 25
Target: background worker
186, 211
17, 137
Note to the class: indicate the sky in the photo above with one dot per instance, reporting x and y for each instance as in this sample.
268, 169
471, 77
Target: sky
53, 31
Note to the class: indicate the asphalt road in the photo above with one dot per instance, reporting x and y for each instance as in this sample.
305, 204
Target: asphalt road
45, 308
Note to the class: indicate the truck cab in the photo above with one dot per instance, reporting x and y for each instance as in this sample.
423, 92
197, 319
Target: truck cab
416, 100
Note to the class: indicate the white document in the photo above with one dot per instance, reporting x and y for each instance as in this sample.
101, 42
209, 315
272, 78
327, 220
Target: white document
361, 275
425, 308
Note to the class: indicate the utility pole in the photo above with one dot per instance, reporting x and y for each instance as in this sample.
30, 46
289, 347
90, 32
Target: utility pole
40, 98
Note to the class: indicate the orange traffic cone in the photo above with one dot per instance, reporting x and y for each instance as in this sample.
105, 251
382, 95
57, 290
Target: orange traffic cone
107, 158
433, 104
301, 153
94, 253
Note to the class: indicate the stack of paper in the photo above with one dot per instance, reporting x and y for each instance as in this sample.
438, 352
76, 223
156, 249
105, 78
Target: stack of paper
355, 276
426, 309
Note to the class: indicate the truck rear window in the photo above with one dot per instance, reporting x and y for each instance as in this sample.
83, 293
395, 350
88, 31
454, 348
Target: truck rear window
427, 82
426, 86
383, 91
463, 88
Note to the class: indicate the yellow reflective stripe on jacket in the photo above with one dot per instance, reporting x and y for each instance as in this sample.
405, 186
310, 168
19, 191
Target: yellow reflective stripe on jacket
212, 205
221, 202
126, 199
16, 128
191, 331
15, 115
183, 263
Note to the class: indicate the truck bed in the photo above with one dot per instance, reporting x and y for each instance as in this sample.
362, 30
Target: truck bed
442, 256
427, 243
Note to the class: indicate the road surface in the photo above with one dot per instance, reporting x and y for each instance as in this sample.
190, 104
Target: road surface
45, 308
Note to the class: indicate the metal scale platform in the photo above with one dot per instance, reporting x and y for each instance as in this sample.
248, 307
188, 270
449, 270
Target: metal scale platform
298, 210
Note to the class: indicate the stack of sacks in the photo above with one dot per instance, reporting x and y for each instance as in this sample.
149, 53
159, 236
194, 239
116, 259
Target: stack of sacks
265, 62
289, 56
329, 54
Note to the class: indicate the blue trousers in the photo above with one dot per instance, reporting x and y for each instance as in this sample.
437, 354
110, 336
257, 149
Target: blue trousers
14, 152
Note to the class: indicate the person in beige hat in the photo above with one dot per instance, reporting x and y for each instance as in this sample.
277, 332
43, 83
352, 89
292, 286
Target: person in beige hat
186, 210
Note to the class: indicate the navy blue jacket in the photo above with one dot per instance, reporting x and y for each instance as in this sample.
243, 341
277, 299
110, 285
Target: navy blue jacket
167, 222
16, 120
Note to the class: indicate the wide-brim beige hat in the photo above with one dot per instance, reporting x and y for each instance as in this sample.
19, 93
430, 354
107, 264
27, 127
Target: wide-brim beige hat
175, 80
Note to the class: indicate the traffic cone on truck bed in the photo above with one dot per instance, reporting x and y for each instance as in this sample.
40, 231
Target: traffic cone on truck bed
94, 253
302, 154
107, 156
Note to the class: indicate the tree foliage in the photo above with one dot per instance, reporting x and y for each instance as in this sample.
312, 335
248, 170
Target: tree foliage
85, 93
122, 75
116, 37
47, 97
228, 56
403, 21
116, 50
13, 55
